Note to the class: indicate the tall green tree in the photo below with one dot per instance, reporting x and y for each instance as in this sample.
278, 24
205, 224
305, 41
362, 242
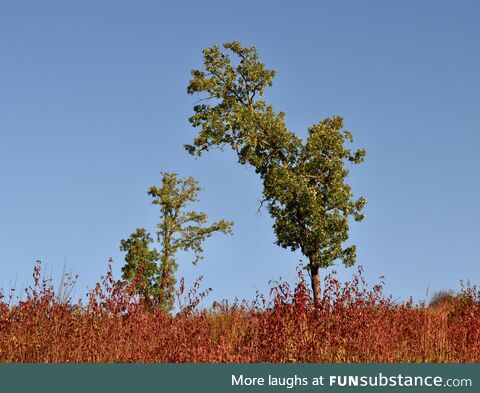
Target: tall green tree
178, 229
304, 182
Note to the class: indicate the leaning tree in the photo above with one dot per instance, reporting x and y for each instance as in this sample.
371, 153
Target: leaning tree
304, 182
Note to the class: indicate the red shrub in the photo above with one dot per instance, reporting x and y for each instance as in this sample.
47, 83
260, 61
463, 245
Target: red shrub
352, 324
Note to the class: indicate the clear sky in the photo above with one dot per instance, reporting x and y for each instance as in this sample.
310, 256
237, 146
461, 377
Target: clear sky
93, 106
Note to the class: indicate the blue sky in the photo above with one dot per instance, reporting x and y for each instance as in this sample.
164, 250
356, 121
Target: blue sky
93, 106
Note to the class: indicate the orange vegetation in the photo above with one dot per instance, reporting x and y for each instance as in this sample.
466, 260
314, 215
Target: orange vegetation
351, 324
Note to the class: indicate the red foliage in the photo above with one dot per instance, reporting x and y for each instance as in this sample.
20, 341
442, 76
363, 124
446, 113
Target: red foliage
351, 324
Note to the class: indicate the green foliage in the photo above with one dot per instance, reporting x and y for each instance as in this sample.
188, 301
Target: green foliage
177, 230
310, 200
303, 182
141, 266
234, 114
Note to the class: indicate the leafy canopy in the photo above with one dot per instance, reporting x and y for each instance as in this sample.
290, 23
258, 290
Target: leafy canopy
141, 267
178, 229
304, 182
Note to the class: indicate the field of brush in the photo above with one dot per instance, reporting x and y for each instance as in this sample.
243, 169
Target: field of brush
352, 323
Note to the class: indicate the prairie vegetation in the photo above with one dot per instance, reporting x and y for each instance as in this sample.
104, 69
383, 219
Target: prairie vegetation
352, 322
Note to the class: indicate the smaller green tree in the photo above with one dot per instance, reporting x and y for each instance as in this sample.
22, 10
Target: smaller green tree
141, 267
178, 230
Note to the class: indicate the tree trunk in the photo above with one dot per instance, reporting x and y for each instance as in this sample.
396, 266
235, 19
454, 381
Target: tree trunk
315, 277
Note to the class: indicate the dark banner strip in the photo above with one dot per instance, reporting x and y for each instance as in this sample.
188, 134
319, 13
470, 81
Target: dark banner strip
240, 377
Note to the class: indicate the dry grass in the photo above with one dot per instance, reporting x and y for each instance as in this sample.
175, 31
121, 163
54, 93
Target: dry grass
352, 324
